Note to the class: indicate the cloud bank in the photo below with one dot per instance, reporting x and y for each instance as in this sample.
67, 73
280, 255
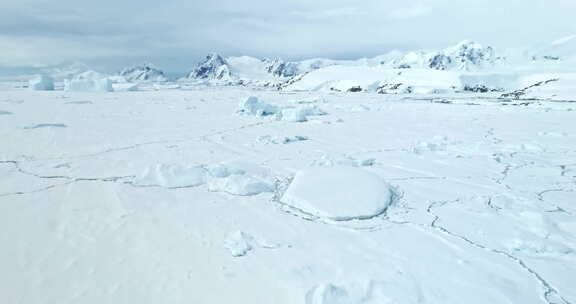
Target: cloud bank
176, 33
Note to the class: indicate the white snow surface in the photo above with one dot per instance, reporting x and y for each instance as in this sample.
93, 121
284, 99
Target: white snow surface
169, 196
343, 78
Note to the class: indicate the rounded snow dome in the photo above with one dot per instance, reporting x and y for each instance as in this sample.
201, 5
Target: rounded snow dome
338, 193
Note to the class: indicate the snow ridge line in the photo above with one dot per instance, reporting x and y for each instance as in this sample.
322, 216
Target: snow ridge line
551, 294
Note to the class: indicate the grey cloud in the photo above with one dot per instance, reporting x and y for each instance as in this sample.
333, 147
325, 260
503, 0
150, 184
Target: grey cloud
175, 33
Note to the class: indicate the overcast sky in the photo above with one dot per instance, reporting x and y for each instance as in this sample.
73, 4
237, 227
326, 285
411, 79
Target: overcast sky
174, 34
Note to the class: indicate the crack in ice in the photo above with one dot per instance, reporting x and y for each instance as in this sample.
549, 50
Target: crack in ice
551, 294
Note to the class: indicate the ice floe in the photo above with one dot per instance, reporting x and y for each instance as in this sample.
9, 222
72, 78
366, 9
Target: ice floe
339, 193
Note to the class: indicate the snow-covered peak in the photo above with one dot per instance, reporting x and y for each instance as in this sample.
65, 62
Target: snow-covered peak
243, 70
213, 67
469, 55
281, 68
466, 55
143, 72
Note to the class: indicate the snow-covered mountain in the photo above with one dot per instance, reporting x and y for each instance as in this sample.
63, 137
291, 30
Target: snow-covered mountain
143, 73
465, 56
242, 70
281, 68
213, 67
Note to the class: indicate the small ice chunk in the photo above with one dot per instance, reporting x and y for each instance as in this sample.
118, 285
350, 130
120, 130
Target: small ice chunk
239, 243
269, 139
239, 184
253, 106
239, 178
299, 114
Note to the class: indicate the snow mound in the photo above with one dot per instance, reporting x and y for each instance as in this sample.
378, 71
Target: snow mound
41, 83
254, 106
172, 176
338, 193
235, 178
399, 290
344, 160
239, 243
299, 114
328, 294
239, 178
89, 82
270, 139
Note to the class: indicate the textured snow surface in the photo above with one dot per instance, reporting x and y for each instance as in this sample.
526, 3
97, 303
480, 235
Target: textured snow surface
171, 196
